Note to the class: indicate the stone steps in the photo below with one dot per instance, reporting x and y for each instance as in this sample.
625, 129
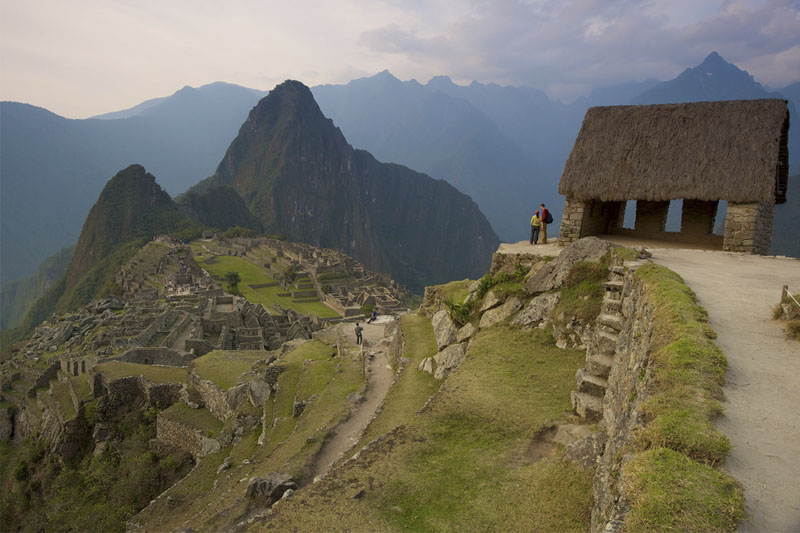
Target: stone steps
599, 364
594, 385
614, 322
614, 285
587, 406
607, 342
611, 305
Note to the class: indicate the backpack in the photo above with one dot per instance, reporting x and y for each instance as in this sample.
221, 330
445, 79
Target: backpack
549, 218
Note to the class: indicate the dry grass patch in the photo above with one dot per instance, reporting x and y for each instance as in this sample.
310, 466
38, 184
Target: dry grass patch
155, 373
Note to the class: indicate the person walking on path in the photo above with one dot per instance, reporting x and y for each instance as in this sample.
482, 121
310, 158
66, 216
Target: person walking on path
544, 212
536, 222
373, 317
359, 329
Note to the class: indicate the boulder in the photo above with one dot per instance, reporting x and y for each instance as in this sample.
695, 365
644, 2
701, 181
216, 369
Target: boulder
586, 451
259, 391
427, 365
492, 299
444, 329
268, 490
552, 275
498, 314
537, 310
449, 359
465, 333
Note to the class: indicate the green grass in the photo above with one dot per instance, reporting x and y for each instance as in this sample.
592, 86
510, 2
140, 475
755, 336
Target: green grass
223, 367
201, 419
155, 373
671, 492
456, 290
63, 399
462, 464
413, 387
81, 386
252, 274
679, 446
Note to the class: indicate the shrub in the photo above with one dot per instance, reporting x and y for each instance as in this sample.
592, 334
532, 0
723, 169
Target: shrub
21, 471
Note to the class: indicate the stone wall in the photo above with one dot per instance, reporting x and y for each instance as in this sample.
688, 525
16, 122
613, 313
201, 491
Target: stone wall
155, 356
184, 437
627, 389
214, 398
584, 219
748, 227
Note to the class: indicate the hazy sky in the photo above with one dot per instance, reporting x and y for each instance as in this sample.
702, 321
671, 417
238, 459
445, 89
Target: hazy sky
84, 57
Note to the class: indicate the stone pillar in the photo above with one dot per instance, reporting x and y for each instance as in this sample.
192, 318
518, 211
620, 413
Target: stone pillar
697, 217
571, 221
748, 227
651, 217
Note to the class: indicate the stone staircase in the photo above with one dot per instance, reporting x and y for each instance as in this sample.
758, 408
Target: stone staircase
592, 380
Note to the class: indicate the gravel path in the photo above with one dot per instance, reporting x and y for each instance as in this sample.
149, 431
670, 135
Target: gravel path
762, 411
380, 377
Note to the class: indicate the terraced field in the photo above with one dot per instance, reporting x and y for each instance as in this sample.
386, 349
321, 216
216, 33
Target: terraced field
252, 274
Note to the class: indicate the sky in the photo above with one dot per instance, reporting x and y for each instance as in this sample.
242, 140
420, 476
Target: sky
80, 58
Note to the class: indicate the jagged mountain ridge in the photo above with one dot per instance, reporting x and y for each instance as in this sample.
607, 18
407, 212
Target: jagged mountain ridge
299, 177
52, 168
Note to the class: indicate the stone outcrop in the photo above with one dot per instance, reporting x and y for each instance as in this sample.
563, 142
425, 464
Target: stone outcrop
444, 329
268, 490
449, 359
551, 275
498, 314
537, 311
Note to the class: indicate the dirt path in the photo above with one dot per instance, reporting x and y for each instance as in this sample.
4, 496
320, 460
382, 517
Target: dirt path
379, 378
762, 411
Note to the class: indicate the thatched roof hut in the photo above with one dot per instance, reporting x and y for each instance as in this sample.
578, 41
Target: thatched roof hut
732, 150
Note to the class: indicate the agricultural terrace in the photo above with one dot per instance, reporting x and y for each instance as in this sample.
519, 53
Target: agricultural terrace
155, 373
223, 367
252, 274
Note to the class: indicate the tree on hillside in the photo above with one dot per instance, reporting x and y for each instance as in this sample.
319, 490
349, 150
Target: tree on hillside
233, 280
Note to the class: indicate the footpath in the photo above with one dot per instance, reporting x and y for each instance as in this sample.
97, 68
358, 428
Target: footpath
762, 389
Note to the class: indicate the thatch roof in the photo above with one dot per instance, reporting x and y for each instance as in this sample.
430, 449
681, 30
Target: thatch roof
732, 150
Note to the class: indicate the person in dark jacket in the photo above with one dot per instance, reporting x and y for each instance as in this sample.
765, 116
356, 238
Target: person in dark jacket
544, 212
359, 329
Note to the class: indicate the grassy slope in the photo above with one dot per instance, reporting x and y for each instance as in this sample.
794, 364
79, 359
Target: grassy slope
223, 367
252, 274
289, 444
464, 463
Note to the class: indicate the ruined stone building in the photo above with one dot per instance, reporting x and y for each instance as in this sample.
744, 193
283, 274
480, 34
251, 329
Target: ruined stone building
701, 153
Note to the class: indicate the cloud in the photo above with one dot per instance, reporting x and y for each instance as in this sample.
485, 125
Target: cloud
568, 47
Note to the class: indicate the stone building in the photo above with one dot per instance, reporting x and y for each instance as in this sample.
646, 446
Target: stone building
701, 153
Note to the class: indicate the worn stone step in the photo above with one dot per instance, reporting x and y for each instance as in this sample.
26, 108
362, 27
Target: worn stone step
634, 264
599, 364
594, 385
587, 406
614, 322
614, 285
606, 342
616, 269
611, 305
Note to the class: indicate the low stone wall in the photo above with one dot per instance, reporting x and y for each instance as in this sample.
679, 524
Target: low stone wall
184, 437
197, 346
214, 398
177, 330
44, 378
627, 390
155, 356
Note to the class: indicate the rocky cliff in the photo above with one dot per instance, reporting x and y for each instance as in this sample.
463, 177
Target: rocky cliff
299, 177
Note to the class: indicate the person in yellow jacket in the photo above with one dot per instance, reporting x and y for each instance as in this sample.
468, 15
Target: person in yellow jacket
536, 224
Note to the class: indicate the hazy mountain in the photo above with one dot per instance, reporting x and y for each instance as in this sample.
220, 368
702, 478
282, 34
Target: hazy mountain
51, 167
219, 208
444, 136
131, 209
299, 177
786, 234
713, 79
18, 295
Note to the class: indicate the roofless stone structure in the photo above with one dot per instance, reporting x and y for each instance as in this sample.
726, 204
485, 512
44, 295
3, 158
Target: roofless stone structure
700, 152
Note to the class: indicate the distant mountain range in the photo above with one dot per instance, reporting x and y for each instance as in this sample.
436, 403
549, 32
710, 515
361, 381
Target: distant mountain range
504, 146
